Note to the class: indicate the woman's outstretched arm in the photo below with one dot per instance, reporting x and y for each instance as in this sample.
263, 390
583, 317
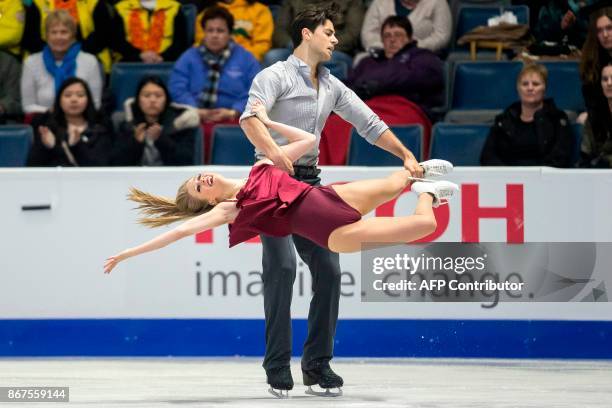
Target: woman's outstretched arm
300, 141
221, 214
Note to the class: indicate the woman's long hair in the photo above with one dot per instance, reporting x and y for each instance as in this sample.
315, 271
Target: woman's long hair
592, 52
58, 116
157, 211
139, 116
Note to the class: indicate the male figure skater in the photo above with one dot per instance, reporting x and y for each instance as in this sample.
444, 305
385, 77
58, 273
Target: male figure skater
301, 92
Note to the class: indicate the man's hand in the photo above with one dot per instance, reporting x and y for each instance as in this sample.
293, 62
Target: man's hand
411, 164
150, 57
281, 160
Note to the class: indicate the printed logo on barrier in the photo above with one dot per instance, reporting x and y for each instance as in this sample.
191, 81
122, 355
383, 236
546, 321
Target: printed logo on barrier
471, 213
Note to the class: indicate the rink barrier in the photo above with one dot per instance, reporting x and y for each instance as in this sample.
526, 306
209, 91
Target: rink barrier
535, 339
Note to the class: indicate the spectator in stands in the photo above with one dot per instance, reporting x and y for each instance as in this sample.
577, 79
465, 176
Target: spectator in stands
73, 133
348, 25
596, 148
12, 22
253, 25
10, 99
93, 20
400, 68
155, 132
62, 58
596, 54
561, 22
216, 76
150, 31
431, 21
532, 131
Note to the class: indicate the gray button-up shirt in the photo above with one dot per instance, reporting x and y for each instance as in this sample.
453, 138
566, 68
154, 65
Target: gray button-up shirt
289, 96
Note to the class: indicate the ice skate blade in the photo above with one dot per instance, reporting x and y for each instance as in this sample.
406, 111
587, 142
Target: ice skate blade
279, 393
422, 179
327, 393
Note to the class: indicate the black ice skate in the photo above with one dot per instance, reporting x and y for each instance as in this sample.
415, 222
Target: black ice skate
280, 380
319, 373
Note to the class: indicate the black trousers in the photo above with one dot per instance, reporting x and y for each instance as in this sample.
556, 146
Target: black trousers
279, 270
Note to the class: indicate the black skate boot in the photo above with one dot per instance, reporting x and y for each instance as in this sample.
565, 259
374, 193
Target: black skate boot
280, 380
318, 372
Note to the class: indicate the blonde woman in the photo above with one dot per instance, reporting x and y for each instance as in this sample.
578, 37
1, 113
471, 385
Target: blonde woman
270, 202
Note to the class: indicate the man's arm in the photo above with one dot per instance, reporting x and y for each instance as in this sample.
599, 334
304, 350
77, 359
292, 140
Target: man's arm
258, 135
265, 88
389, 142
368, 124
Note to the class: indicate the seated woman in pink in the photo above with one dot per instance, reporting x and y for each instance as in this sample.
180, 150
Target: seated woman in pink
270, 202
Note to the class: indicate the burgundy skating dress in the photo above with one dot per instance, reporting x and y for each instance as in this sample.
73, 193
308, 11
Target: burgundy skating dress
273, 203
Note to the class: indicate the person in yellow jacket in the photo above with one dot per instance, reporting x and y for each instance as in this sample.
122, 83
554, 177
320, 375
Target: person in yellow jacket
12, 22
253, 25
149, 31
93, 19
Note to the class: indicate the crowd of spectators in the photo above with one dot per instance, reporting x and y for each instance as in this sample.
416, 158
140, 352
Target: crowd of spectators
56, 57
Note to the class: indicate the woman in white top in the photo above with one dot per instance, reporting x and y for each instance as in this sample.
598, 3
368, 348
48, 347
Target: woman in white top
62, 58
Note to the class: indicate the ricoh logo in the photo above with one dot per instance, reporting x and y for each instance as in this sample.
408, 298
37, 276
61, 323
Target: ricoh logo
471, 214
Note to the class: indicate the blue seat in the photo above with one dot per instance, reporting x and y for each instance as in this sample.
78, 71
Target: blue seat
484, 85
459, 144
198, 147
231, 147
470, 17
564, 85
190, 11
274, 55
125, 77
338, 68
274, 9
15, 142
362, 153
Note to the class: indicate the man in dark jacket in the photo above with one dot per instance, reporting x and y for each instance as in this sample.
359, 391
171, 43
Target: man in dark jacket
400, 68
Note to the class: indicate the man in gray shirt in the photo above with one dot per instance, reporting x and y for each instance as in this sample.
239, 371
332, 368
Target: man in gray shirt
301, 92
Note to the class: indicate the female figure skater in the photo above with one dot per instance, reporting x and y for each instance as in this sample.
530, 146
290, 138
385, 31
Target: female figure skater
273, 203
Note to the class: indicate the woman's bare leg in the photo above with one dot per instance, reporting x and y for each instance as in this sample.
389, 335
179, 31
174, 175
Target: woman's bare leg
366, 195
350, 238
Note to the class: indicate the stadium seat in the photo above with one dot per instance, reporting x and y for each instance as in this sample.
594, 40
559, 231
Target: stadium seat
459, 144
198, 147
231, 147
125, 77
362, 153
274, 9
275, 55
190, 11
15, 142
471, 16
564, 85
480, 90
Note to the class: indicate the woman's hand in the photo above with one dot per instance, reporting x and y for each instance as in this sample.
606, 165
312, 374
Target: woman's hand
74, 134
153, 132
139, 132
47, 137
259, 110
112, 261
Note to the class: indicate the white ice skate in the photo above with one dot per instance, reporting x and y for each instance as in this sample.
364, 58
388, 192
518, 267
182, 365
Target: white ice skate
434, 168
441, 190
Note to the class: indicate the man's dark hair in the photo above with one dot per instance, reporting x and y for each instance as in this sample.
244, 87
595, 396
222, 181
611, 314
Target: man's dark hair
218, 12
312, 17
397, 21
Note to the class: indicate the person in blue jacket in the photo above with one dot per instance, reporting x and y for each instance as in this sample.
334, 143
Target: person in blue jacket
214, 77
